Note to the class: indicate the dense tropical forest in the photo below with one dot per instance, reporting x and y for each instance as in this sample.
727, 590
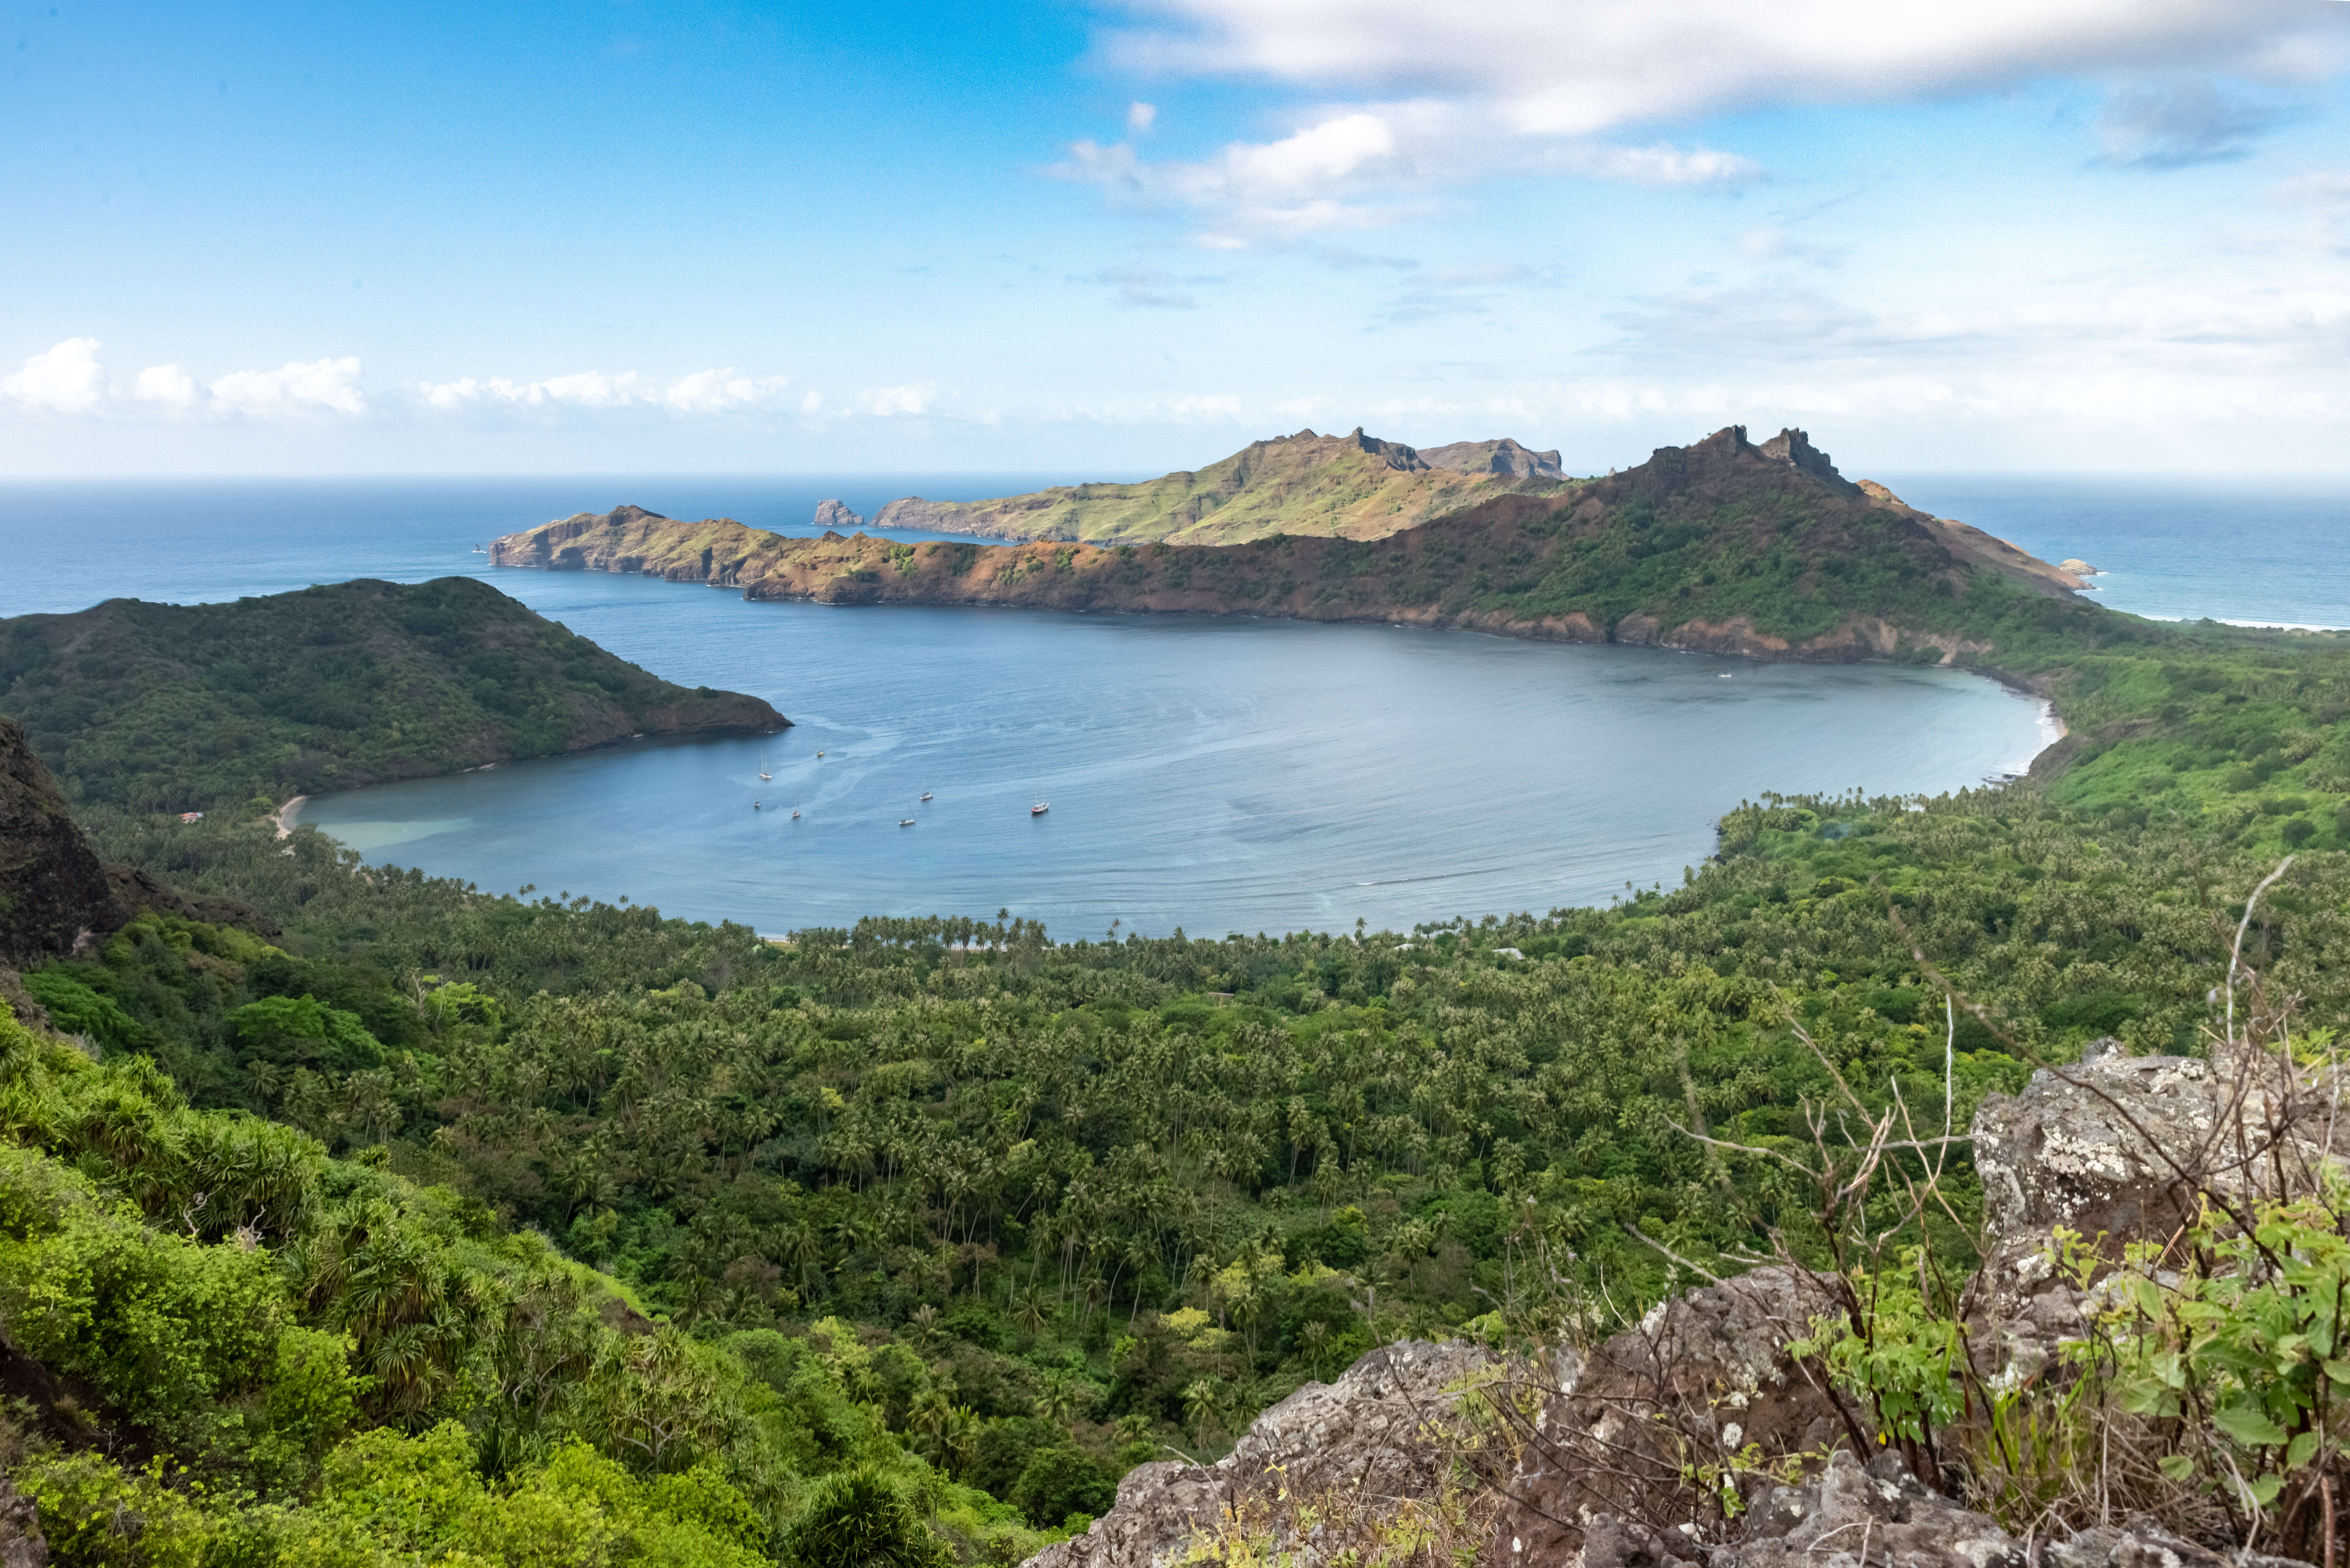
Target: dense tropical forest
452, 1216
189, 707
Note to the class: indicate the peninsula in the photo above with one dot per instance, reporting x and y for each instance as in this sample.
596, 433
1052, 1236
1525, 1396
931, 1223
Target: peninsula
180, 707
1723, 546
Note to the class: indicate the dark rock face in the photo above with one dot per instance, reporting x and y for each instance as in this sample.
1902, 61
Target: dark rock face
832, 515
54, 893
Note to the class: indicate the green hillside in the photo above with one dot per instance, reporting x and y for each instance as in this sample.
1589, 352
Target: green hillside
1351, 487
184, 707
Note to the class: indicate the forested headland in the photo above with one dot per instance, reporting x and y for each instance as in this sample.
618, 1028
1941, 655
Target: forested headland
186, 707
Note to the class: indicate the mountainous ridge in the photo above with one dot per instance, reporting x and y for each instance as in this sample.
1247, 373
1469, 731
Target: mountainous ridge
1722, 547
1353, 486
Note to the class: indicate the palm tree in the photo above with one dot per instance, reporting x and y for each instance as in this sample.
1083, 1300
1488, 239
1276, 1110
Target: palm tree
1063, 1399
1317, 1343
1204, 1403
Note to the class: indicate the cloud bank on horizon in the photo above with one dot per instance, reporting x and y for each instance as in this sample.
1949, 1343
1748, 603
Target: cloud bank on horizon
2021, 233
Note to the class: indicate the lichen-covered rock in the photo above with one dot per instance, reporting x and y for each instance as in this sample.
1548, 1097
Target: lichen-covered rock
1700, 1377
2104, 1150
1369, 1434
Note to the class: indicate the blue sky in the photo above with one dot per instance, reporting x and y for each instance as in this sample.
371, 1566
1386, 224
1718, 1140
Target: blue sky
1128, 237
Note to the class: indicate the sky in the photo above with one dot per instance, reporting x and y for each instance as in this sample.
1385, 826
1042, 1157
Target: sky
1125, 237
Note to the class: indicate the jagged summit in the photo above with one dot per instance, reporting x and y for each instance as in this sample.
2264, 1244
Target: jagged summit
1352, 486
1504, 457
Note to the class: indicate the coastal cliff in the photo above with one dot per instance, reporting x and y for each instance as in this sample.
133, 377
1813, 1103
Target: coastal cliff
1722, 546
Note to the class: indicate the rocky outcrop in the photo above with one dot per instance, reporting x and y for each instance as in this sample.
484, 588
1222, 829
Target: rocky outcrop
1851, 1513
1706, 1373
1607, 1439
833, 515
2113, 1150
55, 897
1371, 1434
1504, 457
1842, 1518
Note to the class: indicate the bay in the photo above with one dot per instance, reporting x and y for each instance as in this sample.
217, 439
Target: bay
1213, 774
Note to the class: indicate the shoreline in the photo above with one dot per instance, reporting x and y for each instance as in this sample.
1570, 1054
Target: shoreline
283, 817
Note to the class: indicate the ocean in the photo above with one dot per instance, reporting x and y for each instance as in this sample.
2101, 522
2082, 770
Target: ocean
1212, 774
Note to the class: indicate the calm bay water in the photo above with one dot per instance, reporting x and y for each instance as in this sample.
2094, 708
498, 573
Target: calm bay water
1217, 775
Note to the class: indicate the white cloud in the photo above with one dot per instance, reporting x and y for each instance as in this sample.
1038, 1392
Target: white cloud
1207, 406
170, 385
1350, 168
2175, 124
887, 400
320, 385
66, 380
71, 380
1578, 68
1140, 118
1453, 94
715, 391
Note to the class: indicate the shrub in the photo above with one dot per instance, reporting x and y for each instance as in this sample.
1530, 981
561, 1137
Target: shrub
1059, 1481
857, 1519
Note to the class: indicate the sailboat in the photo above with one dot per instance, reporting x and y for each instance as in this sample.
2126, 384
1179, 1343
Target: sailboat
763, 768
926, 795
1040, 808
795, 813
905, 821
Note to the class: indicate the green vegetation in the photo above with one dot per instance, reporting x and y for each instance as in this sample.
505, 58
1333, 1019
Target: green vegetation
188, 707
994, 1216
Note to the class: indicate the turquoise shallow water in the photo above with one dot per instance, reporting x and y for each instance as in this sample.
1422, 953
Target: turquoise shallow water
1217, 774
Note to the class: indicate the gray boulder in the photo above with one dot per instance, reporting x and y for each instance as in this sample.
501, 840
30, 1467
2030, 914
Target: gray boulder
1374, 1433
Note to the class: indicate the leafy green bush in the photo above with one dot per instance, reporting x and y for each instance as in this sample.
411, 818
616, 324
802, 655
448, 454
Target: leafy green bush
859, 1519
